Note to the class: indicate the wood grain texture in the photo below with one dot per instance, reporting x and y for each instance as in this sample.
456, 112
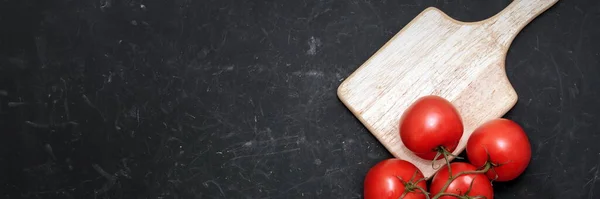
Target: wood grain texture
437, 55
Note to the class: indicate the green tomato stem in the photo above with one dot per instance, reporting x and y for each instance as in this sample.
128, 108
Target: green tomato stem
451, 178
423, 192
451, 194
412, 186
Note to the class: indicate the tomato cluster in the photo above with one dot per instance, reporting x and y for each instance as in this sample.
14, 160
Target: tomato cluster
498, 150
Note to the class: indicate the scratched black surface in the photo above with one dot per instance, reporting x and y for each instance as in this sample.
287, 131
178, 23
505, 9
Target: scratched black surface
237, 99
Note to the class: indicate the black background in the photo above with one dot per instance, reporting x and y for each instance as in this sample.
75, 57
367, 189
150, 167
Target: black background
237, 98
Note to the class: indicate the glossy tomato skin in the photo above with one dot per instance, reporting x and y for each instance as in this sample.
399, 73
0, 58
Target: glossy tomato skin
507, 145
481, 184
382, 182
430, 122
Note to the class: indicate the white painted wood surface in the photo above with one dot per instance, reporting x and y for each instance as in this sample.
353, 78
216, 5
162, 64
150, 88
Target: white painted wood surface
435, 54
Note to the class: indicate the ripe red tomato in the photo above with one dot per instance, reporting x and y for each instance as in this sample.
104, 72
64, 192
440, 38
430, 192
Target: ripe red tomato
506, 145
459, 186
383, 180
429, 123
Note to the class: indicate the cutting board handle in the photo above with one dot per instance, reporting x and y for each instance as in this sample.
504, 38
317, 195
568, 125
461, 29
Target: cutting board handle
508, 23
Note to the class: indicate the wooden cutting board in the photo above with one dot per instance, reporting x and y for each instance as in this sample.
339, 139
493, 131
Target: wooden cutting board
437, 55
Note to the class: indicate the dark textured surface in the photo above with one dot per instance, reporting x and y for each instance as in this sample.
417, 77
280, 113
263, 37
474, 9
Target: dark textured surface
237, 99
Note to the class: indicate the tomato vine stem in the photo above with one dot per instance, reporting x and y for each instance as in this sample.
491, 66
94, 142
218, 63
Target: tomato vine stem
463, 197
442, 151
489, 162
424, 192
451, 194
451, 178
412, 186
